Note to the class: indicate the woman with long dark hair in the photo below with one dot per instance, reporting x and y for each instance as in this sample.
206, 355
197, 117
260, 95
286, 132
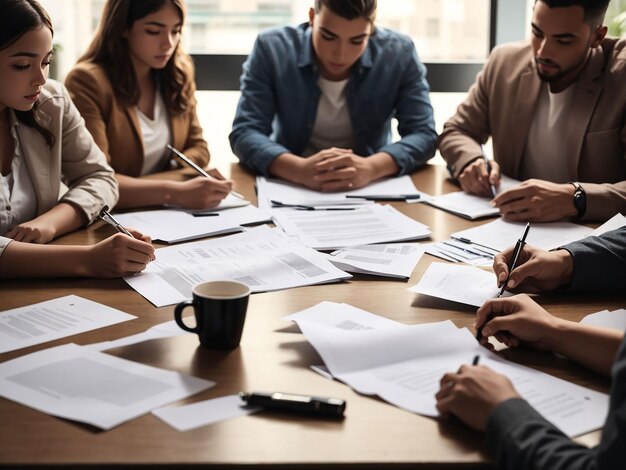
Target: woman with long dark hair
135, 88
44, 142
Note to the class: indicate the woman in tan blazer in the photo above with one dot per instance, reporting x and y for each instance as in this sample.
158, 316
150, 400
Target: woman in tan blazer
43, 140
135, 88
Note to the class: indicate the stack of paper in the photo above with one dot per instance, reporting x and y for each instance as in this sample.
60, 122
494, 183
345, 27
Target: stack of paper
54, 319
289, 193
457, 251
615, 319
463, 284
91, 387
404, 364
263, 258
468, 205
391, 260
501, 234
339, 229
173, 226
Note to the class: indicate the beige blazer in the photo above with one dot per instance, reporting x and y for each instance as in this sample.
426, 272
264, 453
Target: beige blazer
501, 104
116, 128
74, 158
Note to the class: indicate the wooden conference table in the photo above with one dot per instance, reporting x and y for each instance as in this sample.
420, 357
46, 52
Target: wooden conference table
273, 356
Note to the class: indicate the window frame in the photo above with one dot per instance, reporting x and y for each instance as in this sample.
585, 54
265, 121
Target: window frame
507, 22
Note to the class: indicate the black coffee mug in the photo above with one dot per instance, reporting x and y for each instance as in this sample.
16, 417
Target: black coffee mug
220, 310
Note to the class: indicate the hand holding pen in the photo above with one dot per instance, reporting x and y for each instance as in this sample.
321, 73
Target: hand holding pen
519, 246
123, 254
480, 177
516, 255
536, 270
492, 186
213, 175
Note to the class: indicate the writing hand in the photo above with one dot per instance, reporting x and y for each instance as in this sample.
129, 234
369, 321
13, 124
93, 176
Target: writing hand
201, 192
517, 319
475, 180
118, 255
537, 270
472, 394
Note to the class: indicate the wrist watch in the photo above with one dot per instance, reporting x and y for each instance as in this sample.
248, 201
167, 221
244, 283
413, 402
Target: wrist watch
580, 199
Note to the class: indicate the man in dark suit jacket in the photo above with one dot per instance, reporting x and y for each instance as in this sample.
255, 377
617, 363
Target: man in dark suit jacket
517, 436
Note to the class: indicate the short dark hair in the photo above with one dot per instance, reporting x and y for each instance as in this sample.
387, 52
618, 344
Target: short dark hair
349, 9
594, 9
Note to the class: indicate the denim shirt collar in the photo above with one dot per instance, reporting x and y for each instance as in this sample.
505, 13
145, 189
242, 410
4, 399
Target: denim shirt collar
306, 57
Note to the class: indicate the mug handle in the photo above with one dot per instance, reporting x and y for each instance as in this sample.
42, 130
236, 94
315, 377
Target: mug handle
178, 316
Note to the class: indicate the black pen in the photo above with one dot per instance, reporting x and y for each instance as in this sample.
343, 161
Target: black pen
384, 197
488, 165
108, 218
205, 214
327, 407
476, 360
189, 162
516, 252
304, 207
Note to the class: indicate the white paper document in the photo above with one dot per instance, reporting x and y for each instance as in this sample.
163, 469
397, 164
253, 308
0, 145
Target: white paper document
469, 205
403, 365
390, 260
173, 226
500, 234
331, 230
75, 383
463, 284
203, 413
615, 222
459, 252
166, 329
229, 202
290, 193
263, 258
615, 319
54, 319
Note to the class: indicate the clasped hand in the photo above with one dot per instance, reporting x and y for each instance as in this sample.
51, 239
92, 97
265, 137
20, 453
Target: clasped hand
335, 169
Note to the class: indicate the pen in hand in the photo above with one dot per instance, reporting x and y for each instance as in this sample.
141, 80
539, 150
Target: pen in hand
476, 360
201, 171
494, 192
519, 246
108, 218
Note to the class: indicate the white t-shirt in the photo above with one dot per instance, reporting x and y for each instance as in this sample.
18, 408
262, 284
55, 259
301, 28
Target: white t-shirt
333, 127
156, 135
18, 201
546, 145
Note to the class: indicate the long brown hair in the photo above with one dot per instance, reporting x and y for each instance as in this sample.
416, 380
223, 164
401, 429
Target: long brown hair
109, 49
17, 17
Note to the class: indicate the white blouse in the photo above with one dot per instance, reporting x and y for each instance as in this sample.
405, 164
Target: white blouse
156, 135
18, 201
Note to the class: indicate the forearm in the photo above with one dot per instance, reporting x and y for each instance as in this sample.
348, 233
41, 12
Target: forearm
137, 192
23, 260
571, 339
519, 438
382, 165
608, 251
61, 219
286, 166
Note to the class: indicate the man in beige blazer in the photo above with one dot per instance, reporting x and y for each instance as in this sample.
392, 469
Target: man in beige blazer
555, 108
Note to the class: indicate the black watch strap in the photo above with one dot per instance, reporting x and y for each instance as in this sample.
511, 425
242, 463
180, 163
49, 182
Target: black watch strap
580, 199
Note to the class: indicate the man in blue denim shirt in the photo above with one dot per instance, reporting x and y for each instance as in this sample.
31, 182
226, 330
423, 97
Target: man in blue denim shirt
327, 90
